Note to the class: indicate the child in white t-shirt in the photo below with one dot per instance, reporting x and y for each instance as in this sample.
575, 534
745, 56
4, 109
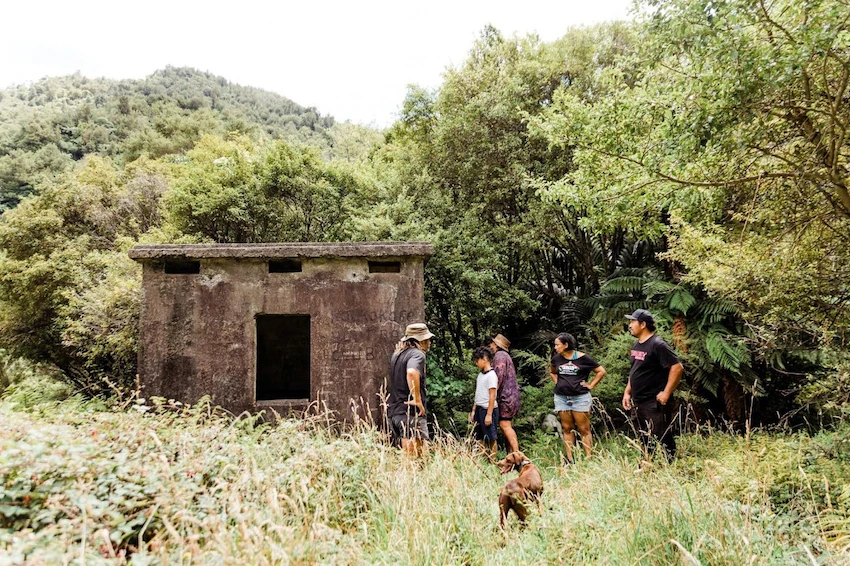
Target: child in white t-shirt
485, 410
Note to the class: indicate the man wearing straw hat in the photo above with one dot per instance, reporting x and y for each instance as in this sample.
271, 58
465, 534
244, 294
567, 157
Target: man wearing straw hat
507, 395
407, 399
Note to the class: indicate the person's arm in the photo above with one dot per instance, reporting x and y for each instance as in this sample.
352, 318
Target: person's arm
627, 396
500, 366
491, 402
600, 373
413, 378
673, 379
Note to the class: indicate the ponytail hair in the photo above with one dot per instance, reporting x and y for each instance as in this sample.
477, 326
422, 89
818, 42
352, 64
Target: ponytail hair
405, 344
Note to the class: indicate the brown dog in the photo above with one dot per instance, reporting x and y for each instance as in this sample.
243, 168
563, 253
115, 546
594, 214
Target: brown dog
527, 487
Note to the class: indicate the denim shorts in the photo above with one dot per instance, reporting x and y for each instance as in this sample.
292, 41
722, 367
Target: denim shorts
578, 403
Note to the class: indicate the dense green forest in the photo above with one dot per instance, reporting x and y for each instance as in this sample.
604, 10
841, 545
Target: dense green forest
694, 161
49, 125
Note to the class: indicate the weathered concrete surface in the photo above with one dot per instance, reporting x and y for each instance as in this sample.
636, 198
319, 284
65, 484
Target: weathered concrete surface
198, 331
382, 250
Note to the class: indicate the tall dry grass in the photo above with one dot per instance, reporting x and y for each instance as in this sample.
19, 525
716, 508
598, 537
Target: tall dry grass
193, 486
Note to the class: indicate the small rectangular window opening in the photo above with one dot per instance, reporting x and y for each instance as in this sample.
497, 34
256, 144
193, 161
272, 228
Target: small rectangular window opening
285, 266
384, 267
182, 267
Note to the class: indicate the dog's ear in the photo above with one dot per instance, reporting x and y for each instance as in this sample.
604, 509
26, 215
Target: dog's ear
511, 461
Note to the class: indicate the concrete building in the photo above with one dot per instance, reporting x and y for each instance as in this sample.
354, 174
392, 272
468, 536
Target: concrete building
276, 325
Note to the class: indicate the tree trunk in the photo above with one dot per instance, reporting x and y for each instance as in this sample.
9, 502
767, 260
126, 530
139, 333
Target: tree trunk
680, 331
734, 400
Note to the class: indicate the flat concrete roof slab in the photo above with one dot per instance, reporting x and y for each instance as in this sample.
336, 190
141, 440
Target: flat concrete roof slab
282, 250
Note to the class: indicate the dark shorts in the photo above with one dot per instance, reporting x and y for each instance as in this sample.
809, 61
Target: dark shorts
409, 426
508, 407
483, 432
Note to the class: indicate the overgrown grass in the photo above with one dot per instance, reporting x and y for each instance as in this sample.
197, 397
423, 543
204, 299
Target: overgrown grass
190, 485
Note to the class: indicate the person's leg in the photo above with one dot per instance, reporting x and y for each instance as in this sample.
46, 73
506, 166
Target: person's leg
412, 446
646, 415
396, 434
668, 435
567, 425
493, 449
510, 435
481, 430
656, 421
414, 440
582, 421
401, 435
493, 435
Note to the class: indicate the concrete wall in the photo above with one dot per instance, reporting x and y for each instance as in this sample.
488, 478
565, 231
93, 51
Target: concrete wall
197, 334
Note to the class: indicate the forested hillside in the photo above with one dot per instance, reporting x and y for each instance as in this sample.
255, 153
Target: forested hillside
693, 161
46, 126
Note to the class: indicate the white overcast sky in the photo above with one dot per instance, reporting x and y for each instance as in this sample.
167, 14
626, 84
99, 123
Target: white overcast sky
352, 60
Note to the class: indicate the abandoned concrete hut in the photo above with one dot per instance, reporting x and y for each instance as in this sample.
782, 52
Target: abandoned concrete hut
276, 325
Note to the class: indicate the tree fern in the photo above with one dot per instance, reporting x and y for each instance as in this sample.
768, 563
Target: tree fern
726, 350
654, 287
679, 299
622, 285
712, 310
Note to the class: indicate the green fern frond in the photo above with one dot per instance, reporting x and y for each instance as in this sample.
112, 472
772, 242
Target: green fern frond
644, 272
658, 287
714, 310
681, 300
708, 380
725, 349
613, 313
524, 358
623, 285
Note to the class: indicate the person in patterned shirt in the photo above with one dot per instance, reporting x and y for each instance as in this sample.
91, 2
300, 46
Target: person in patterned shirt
508, 391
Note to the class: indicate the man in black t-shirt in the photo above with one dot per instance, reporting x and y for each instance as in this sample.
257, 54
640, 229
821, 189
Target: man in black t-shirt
407, 394
654, 375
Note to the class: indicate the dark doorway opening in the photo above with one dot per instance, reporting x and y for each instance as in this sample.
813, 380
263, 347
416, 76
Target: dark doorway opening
283, 357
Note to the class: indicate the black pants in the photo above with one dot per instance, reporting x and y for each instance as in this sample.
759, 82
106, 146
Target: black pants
655, 423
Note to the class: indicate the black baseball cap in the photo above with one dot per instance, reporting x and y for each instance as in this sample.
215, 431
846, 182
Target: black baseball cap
641, 315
